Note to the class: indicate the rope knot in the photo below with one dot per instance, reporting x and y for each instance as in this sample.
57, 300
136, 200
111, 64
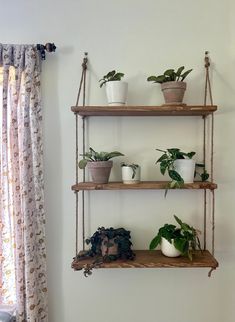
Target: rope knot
207, 59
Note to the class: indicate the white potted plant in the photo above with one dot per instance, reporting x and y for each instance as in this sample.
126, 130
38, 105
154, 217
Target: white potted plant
99, 164
176, 241
130, 173
172, 85
180, 167
116, 89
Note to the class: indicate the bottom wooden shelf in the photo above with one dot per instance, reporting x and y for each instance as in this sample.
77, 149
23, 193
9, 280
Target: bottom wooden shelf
155, 259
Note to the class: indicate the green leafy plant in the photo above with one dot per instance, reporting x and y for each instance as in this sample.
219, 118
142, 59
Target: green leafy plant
93, 156
203, 174
108, 237
170, 75
111, 76
184, 238
133, 166
166, 162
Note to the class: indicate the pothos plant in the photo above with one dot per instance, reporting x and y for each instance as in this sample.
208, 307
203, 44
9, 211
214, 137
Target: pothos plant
93, 156
111, 76
170, 75
184, 238
133, 166
166, 162
103, 240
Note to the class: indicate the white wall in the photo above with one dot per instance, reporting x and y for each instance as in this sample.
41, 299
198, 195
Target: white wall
139, 38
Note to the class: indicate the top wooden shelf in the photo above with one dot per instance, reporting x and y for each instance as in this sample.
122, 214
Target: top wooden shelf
164, 110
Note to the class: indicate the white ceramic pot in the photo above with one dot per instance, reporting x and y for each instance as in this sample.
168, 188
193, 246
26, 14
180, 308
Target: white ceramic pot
169, 249
127, 174
116, 92
186, 169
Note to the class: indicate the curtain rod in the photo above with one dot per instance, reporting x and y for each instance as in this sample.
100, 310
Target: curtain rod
49, 47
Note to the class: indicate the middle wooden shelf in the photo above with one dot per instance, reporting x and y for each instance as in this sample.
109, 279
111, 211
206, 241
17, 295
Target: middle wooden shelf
143, 185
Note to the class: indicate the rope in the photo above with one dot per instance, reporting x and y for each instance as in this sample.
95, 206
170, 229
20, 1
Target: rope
213, 222
81, 85
208, 89
207, 83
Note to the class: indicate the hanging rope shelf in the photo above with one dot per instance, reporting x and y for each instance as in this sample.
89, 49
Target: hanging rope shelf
145, 258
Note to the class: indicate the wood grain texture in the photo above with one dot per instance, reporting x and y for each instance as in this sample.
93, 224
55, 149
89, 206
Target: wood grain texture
139, 186
155, 259
164, 110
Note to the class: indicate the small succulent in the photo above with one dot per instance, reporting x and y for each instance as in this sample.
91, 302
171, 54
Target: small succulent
170, 76
111, 76
133, 166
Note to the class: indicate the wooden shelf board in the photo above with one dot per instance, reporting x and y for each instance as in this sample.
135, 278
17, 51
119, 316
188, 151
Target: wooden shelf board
139, 186
155, 259
164, 110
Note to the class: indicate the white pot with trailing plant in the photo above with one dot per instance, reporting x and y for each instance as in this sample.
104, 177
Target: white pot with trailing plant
130, 173
172, 85
180, 167
177, 241
99, 164
116, 89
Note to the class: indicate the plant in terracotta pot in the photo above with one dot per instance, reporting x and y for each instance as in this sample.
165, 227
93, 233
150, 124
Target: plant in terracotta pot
172, 84
107, 244
130, 173
175, 241
99, 164
116, 89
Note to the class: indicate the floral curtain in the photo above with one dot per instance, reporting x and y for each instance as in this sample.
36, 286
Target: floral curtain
23, 277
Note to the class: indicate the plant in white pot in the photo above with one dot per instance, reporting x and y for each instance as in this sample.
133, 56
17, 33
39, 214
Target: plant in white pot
116, 89
99, 164
130, 173
172, 85
176, 241
180, 167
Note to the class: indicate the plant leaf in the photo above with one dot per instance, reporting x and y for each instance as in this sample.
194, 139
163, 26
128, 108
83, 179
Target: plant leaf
163, 157
205, 176
114, 154
163, 166
179, 71
185, 74
175, 176
82, 163
152, 79
110, 74
155, 242
191, 154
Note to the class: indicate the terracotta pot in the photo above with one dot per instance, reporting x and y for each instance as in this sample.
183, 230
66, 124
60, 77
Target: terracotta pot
105, 250
173, 92
100, 171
